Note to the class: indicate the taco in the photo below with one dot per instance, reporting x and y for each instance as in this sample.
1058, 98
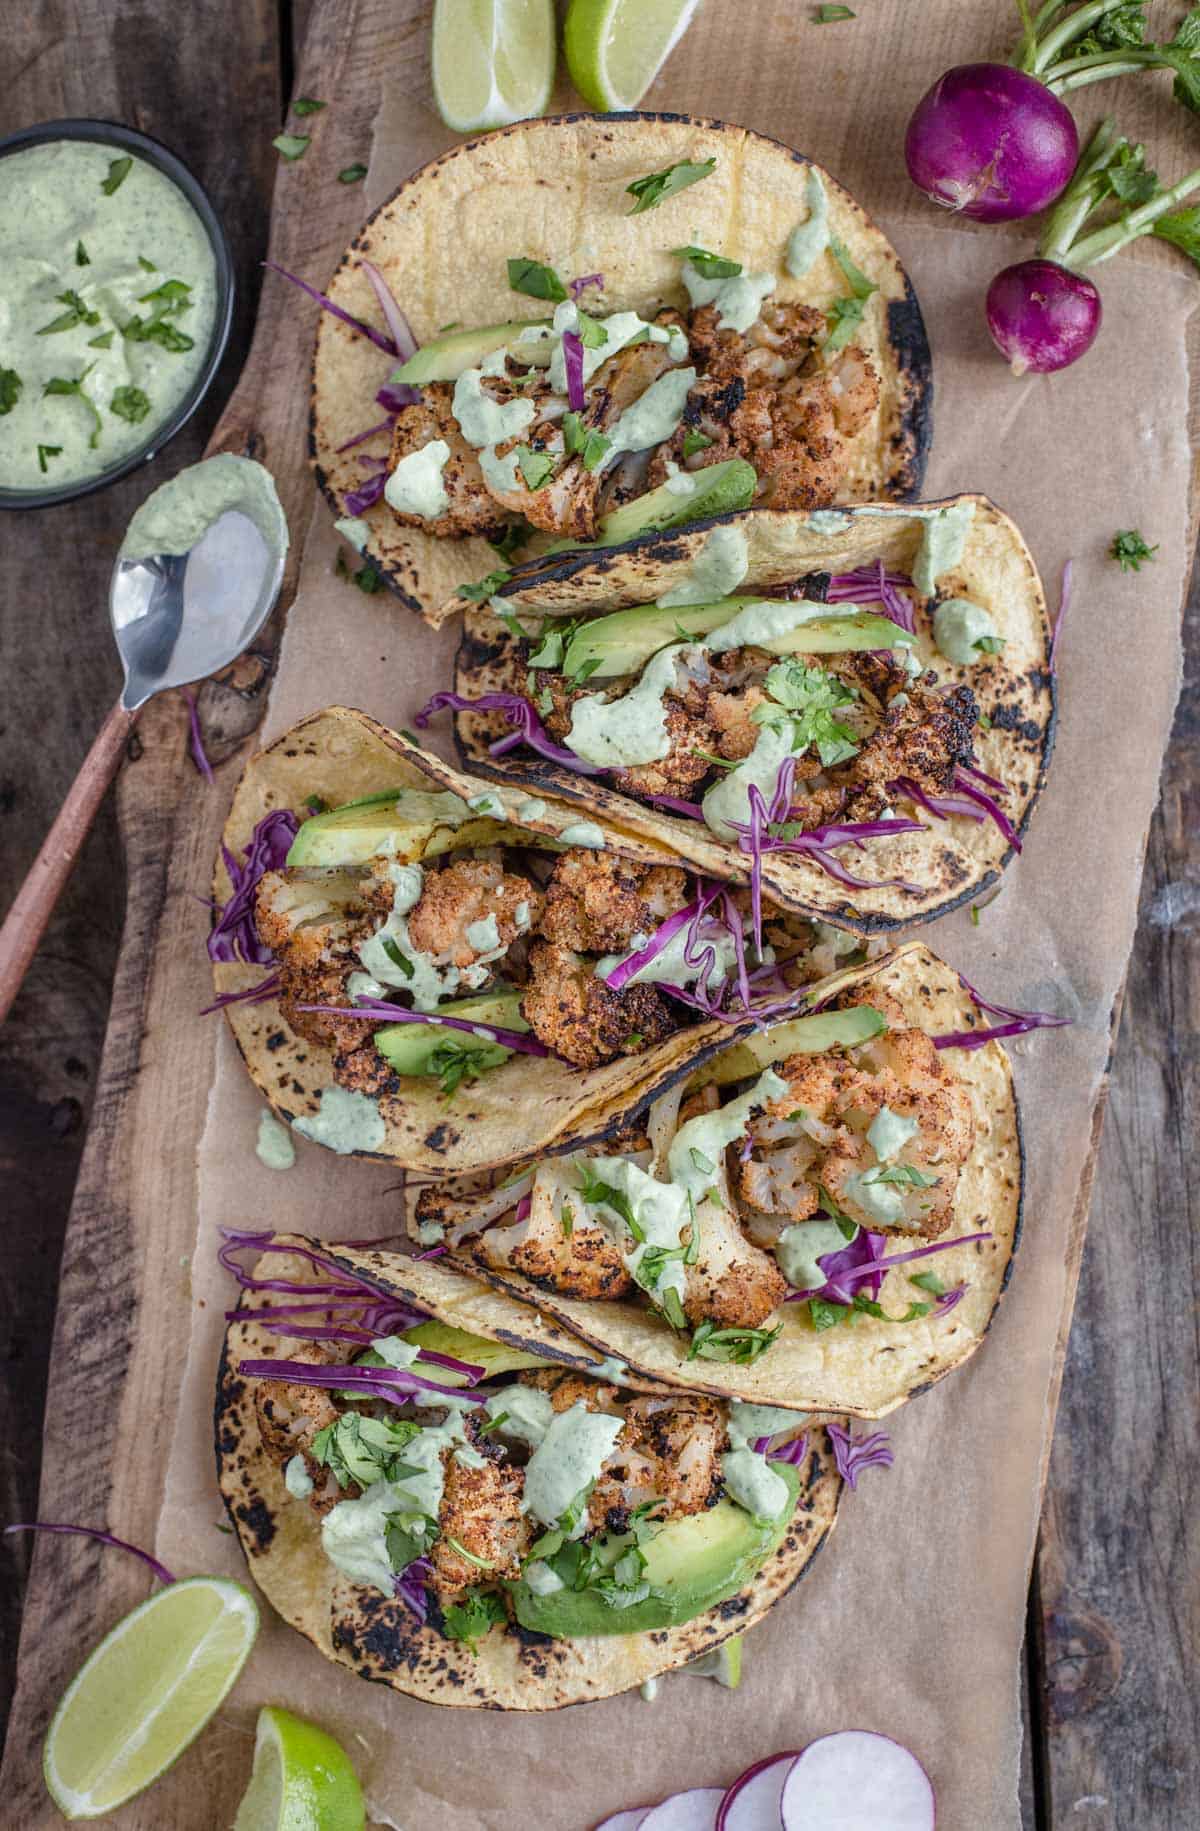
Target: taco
823, 1216
441, 955
435, 1500
609, 324
890, 691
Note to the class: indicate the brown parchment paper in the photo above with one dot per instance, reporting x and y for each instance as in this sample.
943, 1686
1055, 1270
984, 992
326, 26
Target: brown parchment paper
911, 1621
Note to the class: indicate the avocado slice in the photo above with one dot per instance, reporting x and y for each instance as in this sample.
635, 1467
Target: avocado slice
444, 358
410, 1048
495, 1357
624, 641
799, 1036
403, 824
720, 488
692, 1564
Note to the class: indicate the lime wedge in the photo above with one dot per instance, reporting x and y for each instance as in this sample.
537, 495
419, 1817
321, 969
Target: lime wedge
616, 48
493, 61
146, 1692
724, 1664
302, 1780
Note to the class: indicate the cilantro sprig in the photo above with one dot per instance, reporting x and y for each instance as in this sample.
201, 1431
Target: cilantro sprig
1130, 550
535, 279
656, 187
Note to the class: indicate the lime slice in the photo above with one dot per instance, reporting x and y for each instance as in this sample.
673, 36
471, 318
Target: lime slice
146, 1692
724, 1664
616, 48
302, 1780
493, 61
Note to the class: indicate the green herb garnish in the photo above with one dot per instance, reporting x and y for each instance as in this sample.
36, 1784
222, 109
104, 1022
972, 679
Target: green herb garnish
77, 312
711, 266
829, 15
486, 587
741, 1346
535, 466
59, 384
292, 146
656, 187
47, 451
1130, 550
592, 446
118, 172
694, 440
351, 174
10, 389
928, 1281
597, 1193
535, 279
397, 959
130, 404
304, 104
82, 257
470, 1619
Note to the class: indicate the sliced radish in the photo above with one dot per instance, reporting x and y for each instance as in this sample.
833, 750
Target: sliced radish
695, 1810
625, 1821
855, 1779
752, 1802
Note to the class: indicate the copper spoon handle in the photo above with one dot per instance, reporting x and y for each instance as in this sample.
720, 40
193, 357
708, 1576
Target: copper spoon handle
26, 921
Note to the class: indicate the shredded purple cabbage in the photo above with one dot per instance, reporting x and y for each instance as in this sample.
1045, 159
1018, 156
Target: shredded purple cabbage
410, 1587
196, 741
327, 304
1016, 1023
573, 364
950, 1299
854, 1454
528, 727
691, 810
360, 438
233, 936
395, 395
358, 501
383, 1314
793, 1452
861, 1261
102, 1538
874, 585
576, 287
395, 1385
403, 341
942, 807
991, 807
399, 1014
251, 995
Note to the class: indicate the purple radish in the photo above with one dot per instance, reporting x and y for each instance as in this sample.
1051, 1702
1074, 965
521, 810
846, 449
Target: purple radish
695, 1810
991, 142
625, 1821
1042, 316
752, 1802
853, 1779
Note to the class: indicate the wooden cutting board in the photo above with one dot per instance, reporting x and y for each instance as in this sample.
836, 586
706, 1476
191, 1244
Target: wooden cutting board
124, 1292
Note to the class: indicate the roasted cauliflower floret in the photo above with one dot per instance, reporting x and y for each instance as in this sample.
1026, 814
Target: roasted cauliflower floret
596, 902
556, 1245
481, 1512
668, 1454
580, 1018
289, 1417
470, 510
471, 908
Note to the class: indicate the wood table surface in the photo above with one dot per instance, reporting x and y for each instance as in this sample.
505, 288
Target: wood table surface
1113, 1636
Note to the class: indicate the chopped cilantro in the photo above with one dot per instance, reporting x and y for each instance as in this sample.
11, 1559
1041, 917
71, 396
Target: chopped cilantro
454, 1062
672, 1308
592, 446
395, 956
514, 536
82, 257
567, 1218
825, 1315
77, 312
535, 466
479, 1563
470, 1619
742, 1346
694, 440
591, 333
351, 174
486, 587
292, 146
991, 645
130, 404
829, 15
810, 696
118, 172
928, 1281
596, 1193
656, 187
59, 384
304, 104
101, 342
906, 1175
47, 451
711, 266
10, 389
145, 265
704, 1164
368, 578
535, 279
1130, 550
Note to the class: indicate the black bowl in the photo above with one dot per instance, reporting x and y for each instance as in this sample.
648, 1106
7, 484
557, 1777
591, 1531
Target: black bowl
112, 133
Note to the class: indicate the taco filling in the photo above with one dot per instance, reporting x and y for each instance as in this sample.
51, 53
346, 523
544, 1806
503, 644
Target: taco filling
482, 1486
808, 1152
595, 424
411, 951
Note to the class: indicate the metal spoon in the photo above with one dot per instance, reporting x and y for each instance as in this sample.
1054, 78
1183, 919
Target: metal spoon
177, 618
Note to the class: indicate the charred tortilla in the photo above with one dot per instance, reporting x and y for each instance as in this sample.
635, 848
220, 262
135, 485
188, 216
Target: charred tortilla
555, 190
871, 1368
529, 1103
951, 860
380, 1639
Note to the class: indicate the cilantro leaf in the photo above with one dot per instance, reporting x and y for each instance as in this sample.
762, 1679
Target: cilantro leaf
101, 342
1129, 550
694, 440
470, 1619
535, 279
856, 279
591, 333
292, 146
304, 104
991, 645
592, 446
1182, 229
928, 1281
656, 187
1187, 32
742, 1346
10, 389
811, 697
351, 174
77, 312
47, 451
828, 15
454, 1062
597, 1193
60, 384
825, 1315
846, 316
82, 257
514, 537
710, 266
396, 957
130, 404
486, 587
118, 172
904, 1175
536, 467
